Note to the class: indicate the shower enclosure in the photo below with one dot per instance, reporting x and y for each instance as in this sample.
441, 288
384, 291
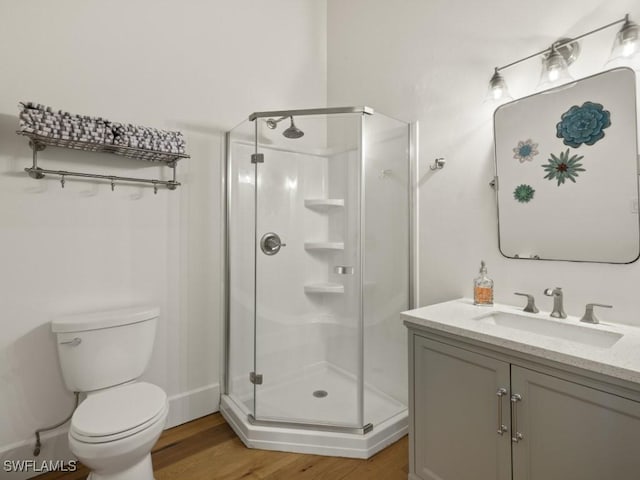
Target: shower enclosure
318, 269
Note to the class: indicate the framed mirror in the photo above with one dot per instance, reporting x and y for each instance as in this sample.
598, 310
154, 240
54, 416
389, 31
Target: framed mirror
567, 172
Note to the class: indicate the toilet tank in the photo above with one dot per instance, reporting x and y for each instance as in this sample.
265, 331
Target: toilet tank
102, 349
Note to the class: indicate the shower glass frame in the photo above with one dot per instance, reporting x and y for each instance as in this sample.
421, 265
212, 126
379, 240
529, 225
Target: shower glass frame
359, 425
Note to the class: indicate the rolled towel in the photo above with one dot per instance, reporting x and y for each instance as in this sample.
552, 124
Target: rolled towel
42, 120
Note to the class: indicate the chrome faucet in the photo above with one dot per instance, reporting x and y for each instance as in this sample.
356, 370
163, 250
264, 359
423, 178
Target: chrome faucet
558, 309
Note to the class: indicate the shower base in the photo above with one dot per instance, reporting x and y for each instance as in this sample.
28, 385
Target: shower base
322, 394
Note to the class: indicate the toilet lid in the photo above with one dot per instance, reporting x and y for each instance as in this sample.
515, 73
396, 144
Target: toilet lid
118, 410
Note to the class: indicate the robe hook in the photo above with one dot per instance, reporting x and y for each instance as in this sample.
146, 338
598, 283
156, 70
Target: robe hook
438, 164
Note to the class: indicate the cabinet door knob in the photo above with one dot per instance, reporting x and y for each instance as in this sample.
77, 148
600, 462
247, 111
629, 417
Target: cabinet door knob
499, 394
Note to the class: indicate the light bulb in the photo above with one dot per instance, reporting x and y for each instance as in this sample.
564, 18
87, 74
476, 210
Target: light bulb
629, 47
553, 74
497, 92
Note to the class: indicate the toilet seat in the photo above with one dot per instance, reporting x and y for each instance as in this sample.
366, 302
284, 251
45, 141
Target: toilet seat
118, 412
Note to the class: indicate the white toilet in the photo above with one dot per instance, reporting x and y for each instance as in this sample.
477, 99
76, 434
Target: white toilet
102, 354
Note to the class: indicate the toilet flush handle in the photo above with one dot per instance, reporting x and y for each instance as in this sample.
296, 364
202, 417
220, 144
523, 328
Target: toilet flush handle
73, 343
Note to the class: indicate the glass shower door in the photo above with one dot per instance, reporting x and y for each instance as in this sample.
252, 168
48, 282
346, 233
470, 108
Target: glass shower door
308, 328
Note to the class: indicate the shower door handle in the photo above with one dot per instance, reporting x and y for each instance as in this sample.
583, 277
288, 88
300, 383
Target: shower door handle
271, 244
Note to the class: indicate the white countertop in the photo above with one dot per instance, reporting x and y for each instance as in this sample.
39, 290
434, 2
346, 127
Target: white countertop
460, 317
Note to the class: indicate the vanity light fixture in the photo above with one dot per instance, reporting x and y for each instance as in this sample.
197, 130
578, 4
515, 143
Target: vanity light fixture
555, 64
563, 53
627, 42
498, 89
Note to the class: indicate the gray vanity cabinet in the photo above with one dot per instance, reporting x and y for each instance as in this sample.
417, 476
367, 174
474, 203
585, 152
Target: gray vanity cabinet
454, 415
573, 432
466, 406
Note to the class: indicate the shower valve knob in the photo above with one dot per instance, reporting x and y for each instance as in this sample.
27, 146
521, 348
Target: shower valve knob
270, 243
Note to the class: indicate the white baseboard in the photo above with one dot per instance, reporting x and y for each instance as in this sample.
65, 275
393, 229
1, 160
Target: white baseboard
193, 404
183, 408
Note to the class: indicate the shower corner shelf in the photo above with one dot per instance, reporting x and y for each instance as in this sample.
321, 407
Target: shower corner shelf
323, 203
40, 142
324, 246
327, 287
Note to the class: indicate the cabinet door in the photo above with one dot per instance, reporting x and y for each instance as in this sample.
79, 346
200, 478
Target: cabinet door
455, 408
573, 432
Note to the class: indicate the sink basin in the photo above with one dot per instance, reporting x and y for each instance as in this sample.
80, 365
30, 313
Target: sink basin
553, 329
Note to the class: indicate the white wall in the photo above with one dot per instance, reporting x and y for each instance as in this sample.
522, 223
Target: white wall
431, 62
197, 66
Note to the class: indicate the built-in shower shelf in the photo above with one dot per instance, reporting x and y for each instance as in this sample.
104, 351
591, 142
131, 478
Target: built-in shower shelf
324, 288
323, 203
324, 246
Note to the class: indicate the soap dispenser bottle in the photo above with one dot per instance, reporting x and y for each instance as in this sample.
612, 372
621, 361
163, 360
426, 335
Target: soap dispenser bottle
483, 287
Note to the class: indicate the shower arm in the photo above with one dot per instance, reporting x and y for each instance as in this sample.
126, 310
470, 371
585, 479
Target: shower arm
271, 123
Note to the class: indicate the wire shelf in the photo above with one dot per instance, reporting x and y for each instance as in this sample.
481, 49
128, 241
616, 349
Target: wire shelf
130, 152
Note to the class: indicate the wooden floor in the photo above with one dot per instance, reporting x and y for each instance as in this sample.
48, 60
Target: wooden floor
208, 449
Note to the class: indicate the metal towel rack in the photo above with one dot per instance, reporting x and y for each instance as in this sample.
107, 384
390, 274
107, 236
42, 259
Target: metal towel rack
39, 143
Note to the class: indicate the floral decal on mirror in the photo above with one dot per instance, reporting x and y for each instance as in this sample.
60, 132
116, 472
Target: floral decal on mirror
583, 124
563, 168
523, 193
525, 151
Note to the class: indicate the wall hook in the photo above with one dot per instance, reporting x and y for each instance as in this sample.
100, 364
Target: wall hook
155, 188
438, 164
113, 185
62, 181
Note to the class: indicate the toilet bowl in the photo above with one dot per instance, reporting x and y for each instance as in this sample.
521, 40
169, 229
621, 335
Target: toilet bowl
103, 354
112, 432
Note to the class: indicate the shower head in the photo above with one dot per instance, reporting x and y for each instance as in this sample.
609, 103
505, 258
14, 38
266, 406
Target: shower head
293, 131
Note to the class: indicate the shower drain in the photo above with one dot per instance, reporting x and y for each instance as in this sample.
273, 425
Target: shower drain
320, 393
